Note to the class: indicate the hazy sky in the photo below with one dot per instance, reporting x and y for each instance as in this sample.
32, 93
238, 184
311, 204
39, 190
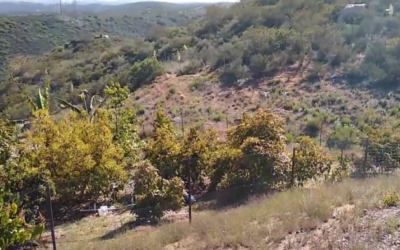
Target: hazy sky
170, 1
123, 1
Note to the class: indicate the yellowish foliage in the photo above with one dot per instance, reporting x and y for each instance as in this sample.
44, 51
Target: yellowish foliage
261, 142
163, 150
77, 156
311, 161
155, 195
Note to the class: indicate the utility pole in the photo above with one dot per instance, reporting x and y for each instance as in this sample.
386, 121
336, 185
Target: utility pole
75, 3
61, 10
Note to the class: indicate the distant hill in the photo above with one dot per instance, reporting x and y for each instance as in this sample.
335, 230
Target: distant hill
24, 8
35, 34
26, 34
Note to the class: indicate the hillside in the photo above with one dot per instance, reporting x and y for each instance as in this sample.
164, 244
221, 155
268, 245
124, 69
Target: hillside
36, 34
289, 103
322, 72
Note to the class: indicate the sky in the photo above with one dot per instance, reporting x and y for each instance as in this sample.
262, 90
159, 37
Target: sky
123, 1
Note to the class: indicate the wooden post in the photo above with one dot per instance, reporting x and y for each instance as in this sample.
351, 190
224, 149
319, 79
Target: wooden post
183, 125
341, 157
190, 190
365, 157
227, 121
320, 135
293, 167
50, 208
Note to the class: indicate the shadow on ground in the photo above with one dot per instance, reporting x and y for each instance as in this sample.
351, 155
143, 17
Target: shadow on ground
228, 198
127, 227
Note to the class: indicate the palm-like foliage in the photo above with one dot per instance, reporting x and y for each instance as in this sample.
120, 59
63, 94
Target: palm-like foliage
41, 101
88, 104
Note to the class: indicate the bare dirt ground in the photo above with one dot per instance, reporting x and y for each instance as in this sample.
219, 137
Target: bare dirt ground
206, 103
377, 229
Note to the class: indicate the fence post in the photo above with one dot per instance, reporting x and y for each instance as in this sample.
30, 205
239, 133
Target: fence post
183, 125
365, 157
227, 121
50, 207
341, 157
293, 167
320, 135
190, 190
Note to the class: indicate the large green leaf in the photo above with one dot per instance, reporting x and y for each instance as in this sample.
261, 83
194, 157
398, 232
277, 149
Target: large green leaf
69, 105
40, 101
37, 231
31, 103
14, 209
94, 111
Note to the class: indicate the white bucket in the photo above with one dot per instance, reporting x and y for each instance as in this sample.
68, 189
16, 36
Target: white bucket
103, 210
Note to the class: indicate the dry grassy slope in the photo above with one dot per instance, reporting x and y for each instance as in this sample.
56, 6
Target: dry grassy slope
347, 215
289, 95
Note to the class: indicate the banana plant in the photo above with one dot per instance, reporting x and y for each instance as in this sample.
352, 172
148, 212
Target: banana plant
88, 107
41, 101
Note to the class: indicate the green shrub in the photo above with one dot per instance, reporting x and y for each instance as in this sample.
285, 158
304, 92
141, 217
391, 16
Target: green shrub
140, 110
391, 200
394, 111
192, 68
258, 65
346, 121
289, 137
13, 229
155, 195
313, 127
172, 90
343, 137
218, 117
296, 108
145, 72
198, 83
288, 105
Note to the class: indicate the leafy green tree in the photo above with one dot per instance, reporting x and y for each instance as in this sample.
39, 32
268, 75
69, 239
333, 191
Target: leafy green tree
194, 151
163, 149
128, 136
125, 120
223, 160
13, 228
311, 162
343, 137
261, 140
154, 194
79, 157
